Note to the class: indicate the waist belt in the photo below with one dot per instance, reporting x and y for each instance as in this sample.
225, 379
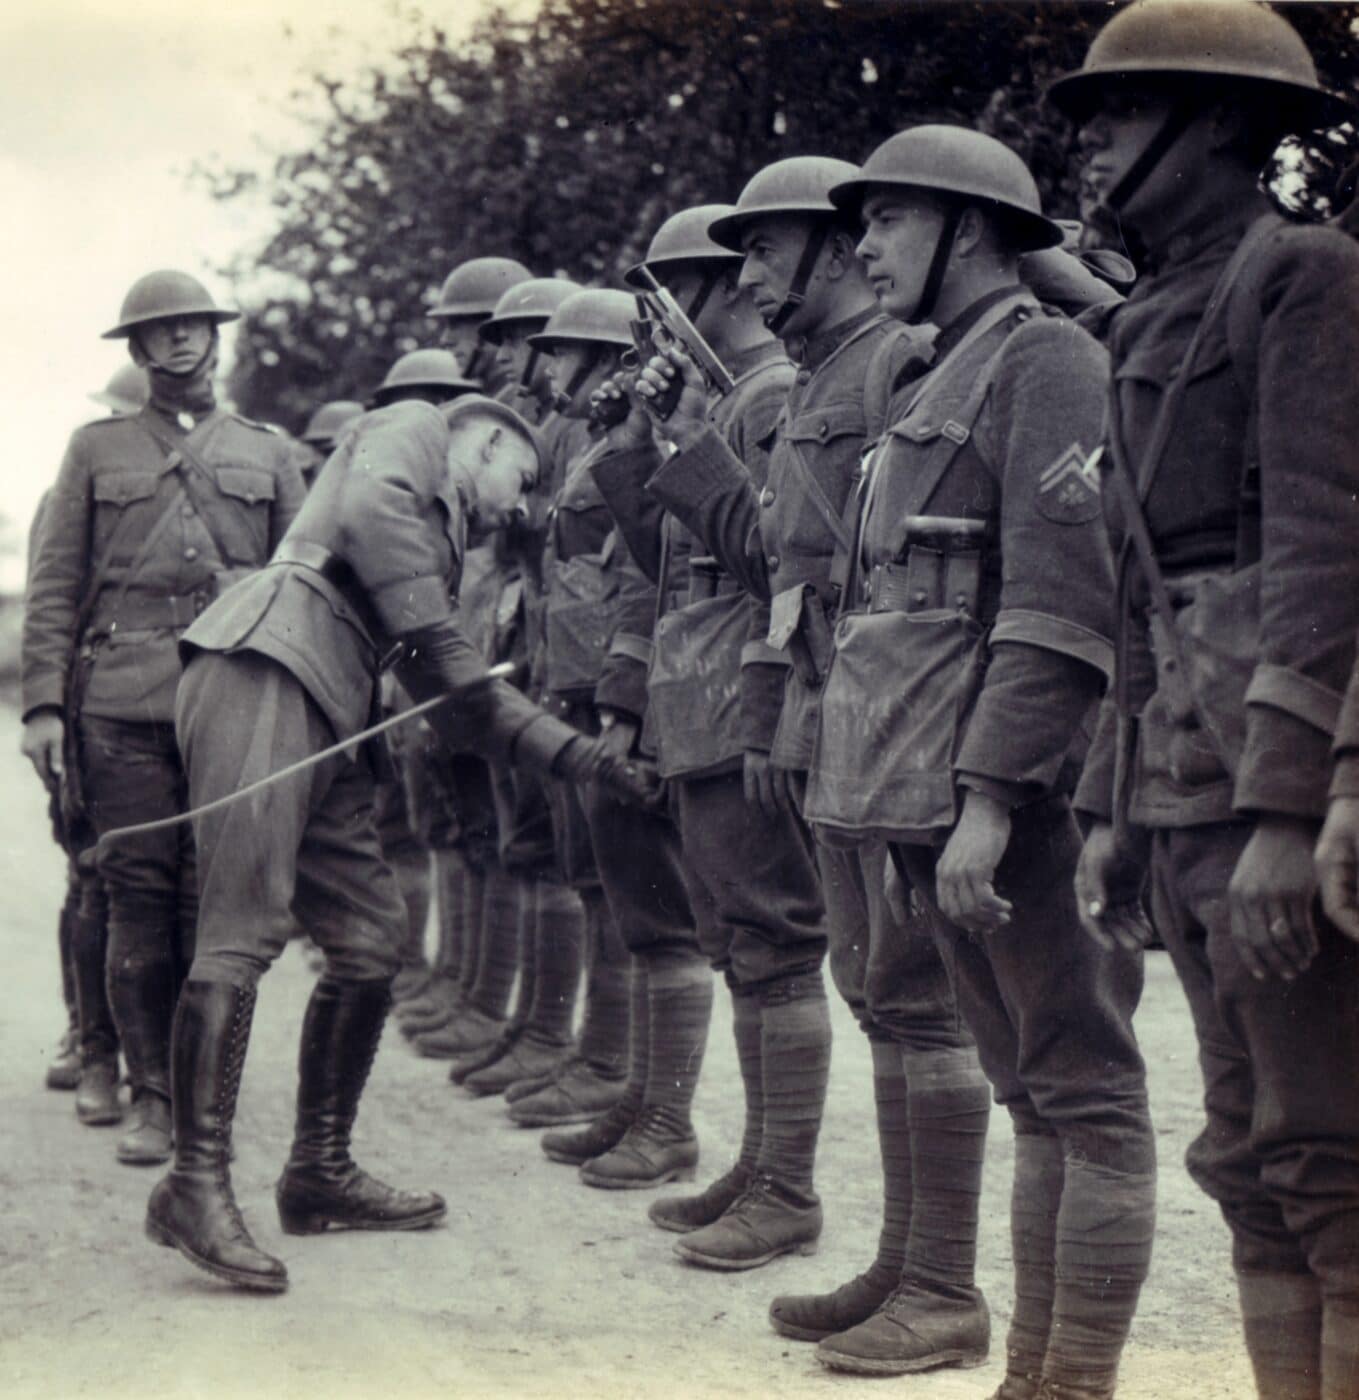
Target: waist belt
140, 612
338, 573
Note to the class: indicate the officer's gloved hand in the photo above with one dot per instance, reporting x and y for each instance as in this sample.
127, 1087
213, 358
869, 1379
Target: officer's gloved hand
586, 760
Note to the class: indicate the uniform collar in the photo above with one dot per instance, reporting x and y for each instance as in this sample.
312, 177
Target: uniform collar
1213, 226
814, 350
957, 328
743, 361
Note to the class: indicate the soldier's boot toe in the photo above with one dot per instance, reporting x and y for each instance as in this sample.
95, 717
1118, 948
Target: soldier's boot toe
684, 1214
96, 1100
469, 1030
309, 1201
579, 1145
765, 1221
148, 1140
807, 1317
1017, 1387
410, 984
527, 1058
197, 1214
914, 1330
64, 1071
657, 1147
579, 1093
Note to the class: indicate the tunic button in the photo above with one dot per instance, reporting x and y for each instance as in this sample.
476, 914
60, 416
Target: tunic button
919, 596
766, 497
803, 376
190, 554
822, 428
187, 512
773, 562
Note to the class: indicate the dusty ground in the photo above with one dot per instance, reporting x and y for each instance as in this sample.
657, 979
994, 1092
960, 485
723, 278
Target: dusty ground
538, 1286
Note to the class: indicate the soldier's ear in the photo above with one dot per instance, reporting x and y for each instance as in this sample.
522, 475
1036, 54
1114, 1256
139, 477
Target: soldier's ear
134, 349
490, 444
840, 255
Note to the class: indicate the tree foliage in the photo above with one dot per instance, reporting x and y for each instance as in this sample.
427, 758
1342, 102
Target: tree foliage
564, 140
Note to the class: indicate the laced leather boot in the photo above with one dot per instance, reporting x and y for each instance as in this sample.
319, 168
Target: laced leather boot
577, 1093
767, 1219
808, 1317
192, 1207
683, 1214
580, 1145
528, 1058
658, 1147
914, 1330
321, 1185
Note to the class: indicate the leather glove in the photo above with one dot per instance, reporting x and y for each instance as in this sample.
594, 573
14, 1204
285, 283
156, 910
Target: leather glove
630, 780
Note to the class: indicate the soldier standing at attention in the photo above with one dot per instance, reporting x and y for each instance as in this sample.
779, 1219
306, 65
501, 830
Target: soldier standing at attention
782, 540
283, 666
150, 515
467, 300
1230, 485
714, 691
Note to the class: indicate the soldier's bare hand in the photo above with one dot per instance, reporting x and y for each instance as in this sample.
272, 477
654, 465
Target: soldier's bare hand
44, 735
1109, 882
619, 739
689, 417
766, 787
1270, 899
631, 429
1337, 862
965, 875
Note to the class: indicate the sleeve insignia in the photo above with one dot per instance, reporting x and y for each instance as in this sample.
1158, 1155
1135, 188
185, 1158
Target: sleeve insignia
1068, 490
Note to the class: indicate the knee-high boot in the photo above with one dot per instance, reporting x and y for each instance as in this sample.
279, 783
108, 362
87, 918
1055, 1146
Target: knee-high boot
142, 984
192, 1207
321, 1185
96, 1100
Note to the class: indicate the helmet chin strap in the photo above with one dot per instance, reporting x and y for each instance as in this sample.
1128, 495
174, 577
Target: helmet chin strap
938, 269
1174, 126
179, 390
802, 275
705, 290
564, 397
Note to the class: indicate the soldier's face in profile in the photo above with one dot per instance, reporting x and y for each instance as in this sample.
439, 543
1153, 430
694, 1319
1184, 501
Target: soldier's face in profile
459, 334
901, 229
512, 353
176, 343
773, 248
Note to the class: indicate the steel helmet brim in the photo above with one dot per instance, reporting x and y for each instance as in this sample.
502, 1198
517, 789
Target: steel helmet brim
731, 228
492, 331
218, 315
633, 276
457, 386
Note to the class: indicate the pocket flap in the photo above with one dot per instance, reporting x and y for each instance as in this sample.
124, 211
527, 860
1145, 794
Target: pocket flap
828, 422
120, 488
249, 484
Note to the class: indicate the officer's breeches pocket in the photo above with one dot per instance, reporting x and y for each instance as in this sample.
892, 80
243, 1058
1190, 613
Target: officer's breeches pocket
891, 711
581, 607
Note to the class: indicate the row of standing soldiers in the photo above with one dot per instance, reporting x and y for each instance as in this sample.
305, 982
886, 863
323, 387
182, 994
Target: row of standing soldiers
986, 621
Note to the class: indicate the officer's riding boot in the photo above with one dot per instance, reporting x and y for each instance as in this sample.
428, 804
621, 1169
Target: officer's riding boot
460, 904
936, 1316
779, 1212
683, 1214
660, 1145
809, 1317
96, 1101
64, 1071
580, 1145
142, 993
192, 1207
321, 1185
1340, 1343
1282, 1318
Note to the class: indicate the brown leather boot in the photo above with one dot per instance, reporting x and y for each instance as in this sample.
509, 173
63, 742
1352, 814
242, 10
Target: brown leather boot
656, 1148
581, 1145
321, 1185
96, 1100
683, 1214
914, 1330
192, 1207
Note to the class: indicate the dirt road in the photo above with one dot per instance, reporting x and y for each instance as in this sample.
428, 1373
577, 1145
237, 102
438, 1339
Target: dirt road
538, 1286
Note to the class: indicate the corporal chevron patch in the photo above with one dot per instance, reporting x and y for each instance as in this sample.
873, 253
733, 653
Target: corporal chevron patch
1068, 490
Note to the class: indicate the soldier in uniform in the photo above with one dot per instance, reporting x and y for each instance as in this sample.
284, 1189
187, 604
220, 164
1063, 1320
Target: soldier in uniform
799, 266
1230, 482
430, 376
467, 300
284, 665
634, 897
714, 691
86, 1060
151, 513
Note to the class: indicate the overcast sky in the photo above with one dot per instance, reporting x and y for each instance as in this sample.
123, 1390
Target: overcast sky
105, 105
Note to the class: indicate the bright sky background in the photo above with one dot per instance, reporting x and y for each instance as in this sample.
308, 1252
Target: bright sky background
105, 106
